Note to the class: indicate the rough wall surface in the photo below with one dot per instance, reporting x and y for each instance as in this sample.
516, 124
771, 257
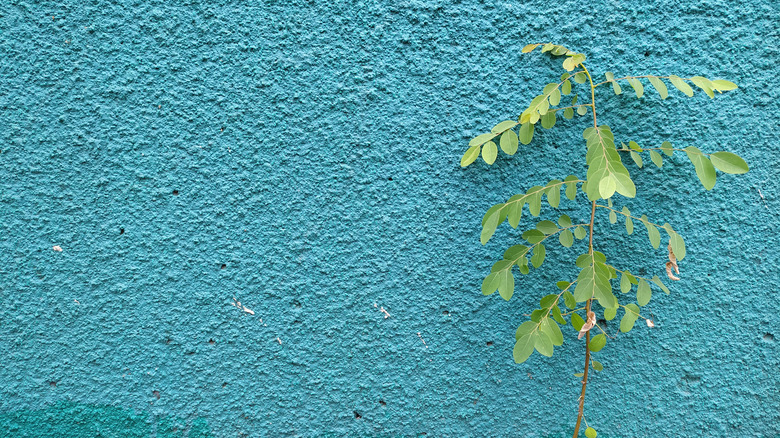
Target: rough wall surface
302, 158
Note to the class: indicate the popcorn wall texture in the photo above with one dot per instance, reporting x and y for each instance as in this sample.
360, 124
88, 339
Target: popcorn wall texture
302, 158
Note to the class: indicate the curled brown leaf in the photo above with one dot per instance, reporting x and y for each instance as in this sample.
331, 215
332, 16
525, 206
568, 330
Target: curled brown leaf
588, 325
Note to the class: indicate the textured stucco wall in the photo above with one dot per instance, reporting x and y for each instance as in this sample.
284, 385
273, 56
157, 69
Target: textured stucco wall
302, 157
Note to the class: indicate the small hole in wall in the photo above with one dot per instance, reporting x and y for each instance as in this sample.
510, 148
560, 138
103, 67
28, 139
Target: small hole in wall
489, 343
176, 193
357, 415
769, 337
647, 53
224, 384
602, 322
156, 394
52, 383
212, 342
296, 303
382, 402
223, 266
121, 231
390, 178
446, 312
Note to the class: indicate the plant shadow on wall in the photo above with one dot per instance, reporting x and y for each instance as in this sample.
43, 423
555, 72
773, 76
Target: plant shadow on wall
589, 297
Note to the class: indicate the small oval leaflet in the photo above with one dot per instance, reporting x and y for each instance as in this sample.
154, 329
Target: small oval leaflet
598, 342
503, 126
508, 142
489, 152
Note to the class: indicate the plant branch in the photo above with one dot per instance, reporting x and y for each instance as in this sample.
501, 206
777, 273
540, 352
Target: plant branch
633, 217
590, 251
637, 77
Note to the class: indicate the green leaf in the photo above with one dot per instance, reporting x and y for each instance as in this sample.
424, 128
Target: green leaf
566, 87
576, 321
629, 222
514, 252
568, 113
609, 314
590, 433
637, 85
515, 211
506, 284
660, 284
571, 186
637, 159
551, 329
525, 329
481, 139
564, 221
723, 85
489, 152
597, 342
489, 227
659, 86
568, 300
530, 48
643, 293
729, 163
526, 133
581, 110
628, 320
580, 233
677, 243
548, 120
607, 186
656, 158
508, 142
562, 285
652, 233
555, 97
566, 238
667, 148
543, 344
470, 156
533, 236
534, 200
681, 85
580, 78
538, 258
547, 227
634, 145
523, 348
625, 283
597, 365
548, 301
490, 283
503, 126
612, 217
704, 84
615, 86
556, 311
704, 168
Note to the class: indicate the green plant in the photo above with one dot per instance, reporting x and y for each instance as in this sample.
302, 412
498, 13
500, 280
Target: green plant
592, 290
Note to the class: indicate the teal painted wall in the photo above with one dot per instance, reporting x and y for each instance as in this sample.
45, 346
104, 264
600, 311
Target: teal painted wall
302, 157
